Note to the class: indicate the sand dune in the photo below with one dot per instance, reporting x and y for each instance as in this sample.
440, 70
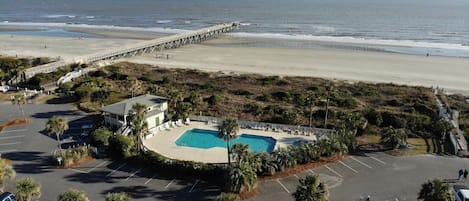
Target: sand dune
218, 55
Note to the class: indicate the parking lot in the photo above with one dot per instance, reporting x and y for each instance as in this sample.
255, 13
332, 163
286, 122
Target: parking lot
29, 147
382, 176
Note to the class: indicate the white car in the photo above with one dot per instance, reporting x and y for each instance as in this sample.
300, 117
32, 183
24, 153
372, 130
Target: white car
461, 193
4, 88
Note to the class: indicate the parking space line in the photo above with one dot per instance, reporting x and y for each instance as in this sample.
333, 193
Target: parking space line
312, 172
348, 166
377, 160
99, 165
11, 143
150, 179
364, 164
77, 170
169, 183
193, 186
115, 170
296, 176
130, 176
13, 131
10, 137
283, 186
333, 171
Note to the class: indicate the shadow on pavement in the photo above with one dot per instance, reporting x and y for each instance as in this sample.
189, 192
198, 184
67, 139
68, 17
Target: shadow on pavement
29, 162
139, 192
46, 115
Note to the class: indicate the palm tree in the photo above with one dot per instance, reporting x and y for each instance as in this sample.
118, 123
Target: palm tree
311, 189
175, 97
6, 170
338, 145
330, 92
227, 197
133, 84
73, 195
27, 189
19, 100
241, 151
347, 138
57, 125
394, 137
312, 99
227, 130
354, 121
117, 197
325, 147
267, 164
242, 178
435, 190
138, 122
284, 159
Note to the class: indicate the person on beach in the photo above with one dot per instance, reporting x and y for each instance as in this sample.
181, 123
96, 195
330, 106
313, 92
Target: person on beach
460, 174
465, 174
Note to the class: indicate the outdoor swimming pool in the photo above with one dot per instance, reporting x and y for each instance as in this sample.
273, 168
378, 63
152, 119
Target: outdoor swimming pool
206, 139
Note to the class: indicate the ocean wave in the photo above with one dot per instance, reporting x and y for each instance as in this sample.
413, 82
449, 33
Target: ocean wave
323, 29
88, 26
163, 21
58, 16
353, 40
90, 17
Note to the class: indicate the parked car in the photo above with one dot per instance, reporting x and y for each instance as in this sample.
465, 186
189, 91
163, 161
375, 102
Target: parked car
4, 88
86, 130
7, 196
461, 193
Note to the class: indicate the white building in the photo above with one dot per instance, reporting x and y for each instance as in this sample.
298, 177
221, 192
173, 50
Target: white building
116, 115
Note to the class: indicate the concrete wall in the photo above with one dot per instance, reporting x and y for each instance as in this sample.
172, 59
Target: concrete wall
155, 120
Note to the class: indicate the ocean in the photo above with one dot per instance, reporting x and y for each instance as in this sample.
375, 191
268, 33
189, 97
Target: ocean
438, 27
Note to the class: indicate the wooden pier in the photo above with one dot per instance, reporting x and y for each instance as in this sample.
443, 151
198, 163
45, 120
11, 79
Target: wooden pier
158, 44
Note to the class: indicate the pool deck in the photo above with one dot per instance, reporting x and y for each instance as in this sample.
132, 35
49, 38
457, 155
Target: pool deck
164, 142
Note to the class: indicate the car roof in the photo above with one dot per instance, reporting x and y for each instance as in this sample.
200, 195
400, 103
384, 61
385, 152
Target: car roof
87, 126
5, 195
465, 193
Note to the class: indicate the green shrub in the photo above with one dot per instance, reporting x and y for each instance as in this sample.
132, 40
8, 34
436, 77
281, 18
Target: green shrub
281, 96
214, 99
101, 136
121, 146
72, 156
241, 92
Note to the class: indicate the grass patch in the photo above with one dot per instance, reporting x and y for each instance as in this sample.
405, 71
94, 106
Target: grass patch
44, 98
418, 147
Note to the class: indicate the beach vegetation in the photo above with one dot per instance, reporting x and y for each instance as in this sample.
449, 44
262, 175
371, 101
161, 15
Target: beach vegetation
228, 129
72, 195
117, 197
435, 190
27, 189
311, 189
72, 156
6, 171
121, 146
101, 136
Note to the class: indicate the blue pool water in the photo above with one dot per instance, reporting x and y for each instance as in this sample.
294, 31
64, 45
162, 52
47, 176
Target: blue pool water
207, 139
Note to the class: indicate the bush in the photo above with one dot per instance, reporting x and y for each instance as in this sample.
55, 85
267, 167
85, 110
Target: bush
281, 96
72, 156
253, 108
241, 92
214, 99
101, 136
121, 146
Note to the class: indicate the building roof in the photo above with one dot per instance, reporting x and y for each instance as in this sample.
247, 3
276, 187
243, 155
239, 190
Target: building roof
122, 108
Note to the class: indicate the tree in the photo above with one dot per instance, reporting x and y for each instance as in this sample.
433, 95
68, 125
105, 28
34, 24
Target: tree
138, 122
354, 121
175, 97
311, 189
441, 128
73, 195
182, 110
312, 99
241, 178
394, 137
101, 136
57, 125
330, 92
241, 151
117, 197
227, 130
19, 100
6, 171
27, 189
284, 159
196, 100
435, 190
133, 84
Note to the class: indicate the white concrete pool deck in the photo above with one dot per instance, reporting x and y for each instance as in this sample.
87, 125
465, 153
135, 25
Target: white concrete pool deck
164, 142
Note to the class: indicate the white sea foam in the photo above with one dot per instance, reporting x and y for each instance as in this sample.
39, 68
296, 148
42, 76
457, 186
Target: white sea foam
353, 40
187, 21
67, 25
163, 21
90, 17
59, 16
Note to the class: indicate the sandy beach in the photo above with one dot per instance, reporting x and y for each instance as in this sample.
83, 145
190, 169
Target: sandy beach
227, 55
